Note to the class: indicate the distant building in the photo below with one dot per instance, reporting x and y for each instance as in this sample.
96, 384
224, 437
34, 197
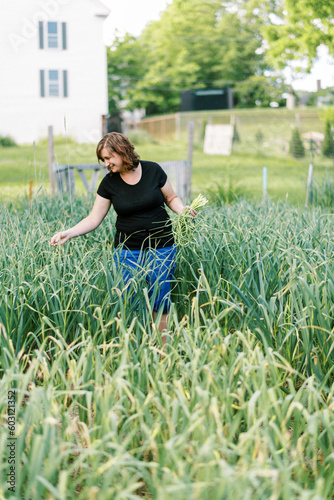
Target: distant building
53, 69
207, 99
326, 100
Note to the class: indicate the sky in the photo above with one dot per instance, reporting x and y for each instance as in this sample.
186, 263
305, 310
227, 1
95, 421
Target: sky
131, 16
322, 70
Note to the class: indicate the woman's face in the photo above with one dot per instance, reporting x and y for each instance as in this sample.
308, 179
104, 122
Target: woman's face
113, 161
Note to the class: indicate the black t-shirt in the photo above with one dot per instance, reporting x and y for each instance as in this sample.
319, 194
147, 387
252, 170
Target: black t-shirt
142, 220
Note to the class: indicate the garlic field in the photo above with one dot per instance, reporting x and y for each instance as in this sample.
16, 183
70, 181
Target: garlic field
239, 406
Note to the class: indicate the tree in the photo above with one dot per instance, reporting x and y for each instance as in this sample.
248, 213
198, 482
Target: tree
327, 147
297, 29
126, 67
195, 44
259, 90
297, 149
292, 30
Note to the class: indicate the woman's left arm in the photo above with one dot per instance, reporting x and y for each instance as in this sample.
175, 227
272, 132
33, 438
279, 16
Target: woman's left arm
173, 201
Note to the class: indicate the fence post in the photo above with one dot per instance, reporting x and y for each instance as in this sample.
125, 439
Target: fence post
310, 175
297, 120
177, 126
191, 127
69, 181
104, 125
264, 183
309, 184
51, 157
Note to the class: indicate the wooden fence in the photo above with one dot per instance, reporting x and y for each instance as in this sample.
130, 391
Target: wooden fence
274, 124
160, 127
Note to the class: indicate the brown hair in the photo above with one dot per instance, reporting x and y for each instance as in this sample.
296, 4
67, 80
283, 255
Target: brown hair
120, 144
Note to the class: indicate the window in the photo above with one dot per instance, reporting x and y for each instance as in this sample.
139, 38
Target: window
53, 83
53, 39
52, 35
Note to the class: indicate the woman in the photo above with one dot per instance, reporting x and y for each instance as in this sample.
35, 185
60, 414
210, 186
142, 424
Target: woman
137, 190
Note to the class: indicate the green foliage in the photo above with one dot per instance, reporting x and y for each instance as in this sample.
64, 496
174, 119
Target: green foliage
236, 136
184, 223
195, 44
126, 68
223, 193
259, 137
240, 405
139, 137
298, 29
286, 176
327, 113
297, 149
7, 142
58, 141
259, 90
200, 44
323, 192
327, 147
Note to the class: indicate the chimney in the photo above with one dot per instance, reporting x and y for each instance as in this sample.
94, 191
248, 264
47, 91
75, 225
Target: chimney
318, 85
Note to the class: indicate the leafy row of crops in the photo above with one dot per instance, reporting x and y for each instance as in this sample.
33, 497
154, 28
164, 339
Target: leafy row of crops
240, 405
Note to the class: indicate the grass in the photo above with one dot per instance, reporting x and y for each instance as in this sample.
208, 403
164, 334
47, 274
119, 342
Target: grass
18, 165
241, 171
287, 177
273, 125
241, 405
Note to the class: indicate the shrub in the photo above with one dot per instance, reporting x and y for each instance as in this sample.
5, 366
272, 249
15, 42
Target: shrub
7, 142
236, 136
226, 194
297, 149
58, 140
139, 137
259, 137
328, 143
323, 193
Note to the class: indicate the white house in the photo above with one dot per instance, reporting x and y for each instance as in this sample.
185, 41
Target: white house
53, 69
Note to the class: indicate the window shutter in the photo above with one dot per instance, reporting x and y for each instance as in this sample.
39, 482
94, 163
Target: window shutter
64, 33
65, 86
42, 82
41, 34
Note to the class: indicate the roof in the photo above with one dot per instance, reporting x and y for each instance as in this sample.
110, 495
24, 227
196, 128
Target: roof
102, 9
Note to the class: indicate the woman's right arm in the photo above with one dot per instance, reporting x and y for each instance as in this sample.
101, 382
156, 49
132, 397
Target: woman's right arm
89, 223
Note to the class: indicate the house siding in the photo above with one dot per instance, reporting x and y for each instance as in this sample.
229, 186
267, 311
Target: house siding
26, 111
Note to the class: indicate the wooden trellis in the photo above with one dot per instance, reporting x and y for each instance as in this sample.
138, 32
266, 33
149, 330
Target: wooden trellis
178, 172
65, 176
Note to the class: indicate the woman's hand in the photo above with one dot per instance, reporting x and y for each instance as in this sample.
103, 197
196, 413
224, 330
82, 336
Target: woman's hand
60, 238
192, 213
89, 223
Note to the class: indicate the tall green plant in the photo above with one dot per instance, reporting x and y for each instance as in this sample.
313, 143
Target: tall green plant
323, 192
327, 147
240, 401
